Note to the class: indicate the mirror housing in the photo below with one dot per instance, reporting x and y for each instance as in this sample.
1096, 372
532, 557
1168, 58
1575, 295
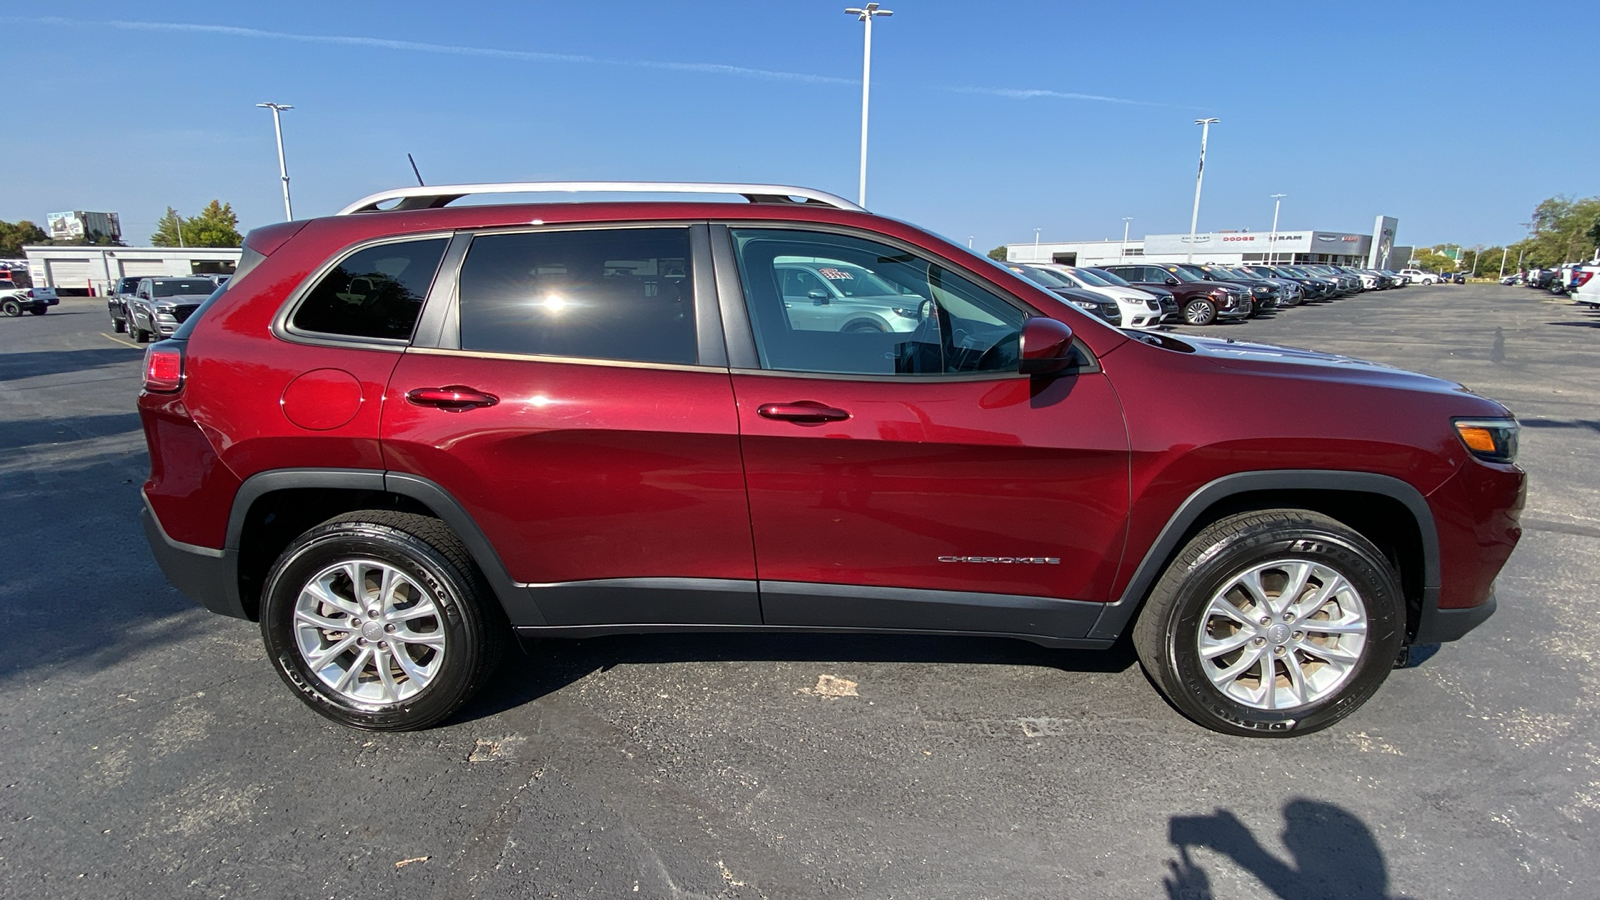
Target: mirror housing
1171, 280
819, 296
1046, 346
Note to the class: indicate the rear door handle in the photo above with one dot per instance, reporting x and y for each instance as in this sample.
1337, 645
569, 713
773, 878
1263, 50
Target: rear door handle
451, 398
805, 411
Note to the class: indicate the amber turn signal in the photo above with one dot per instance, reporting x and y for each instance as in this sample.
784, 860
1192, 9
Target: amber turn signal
1494, 440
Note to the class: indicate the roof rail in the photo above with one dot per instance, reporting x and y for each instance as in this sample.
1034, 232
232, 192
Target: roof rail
435, 196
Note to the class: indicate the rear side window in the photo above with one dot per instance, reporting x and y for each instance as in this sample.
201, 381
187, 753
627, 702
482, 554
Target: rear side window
620, 294
373, 293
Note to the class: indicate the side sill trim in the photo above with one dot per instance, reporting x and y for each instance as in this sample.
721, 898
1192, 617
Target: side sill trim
589, 631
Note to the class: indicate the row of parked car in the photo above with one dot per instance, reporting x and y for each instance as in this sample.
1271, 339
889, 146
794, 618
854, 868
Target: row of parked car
155, 306
1145, 295
1556, 279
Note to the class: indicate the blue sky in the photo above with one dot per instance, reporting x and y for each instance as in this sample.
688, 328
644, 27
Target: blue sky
1058, 116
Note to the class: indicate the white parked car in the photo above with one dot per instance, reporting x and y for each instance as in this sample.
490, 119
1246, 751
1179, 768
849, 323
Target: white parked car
1584, 286
1139, 308
1418, 276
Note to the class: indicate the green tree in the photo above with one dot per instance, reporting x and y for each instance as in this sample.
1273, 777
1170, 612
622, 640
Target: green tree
1433, 259
1562, 230
216, 226
14, 235
998, 253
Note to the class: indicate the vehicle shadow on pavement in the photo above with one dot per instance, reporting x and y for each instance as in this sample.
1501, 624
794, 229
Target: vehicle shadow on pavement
55, 362
17, 434
1590, 424
548, 666
1334, 854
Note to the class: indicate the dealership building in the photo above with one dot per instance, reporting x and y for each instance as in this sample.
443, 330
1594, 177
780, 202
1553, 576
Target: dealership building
1229, 248
92, 271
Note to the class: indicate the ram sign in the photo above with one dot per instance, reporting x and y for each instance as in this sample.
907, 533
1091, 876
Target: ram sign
1331, 242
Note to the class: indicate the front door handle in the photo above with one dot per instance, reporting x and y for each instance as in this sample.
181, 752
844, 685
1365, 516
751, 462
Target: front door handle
451, 398
805, 411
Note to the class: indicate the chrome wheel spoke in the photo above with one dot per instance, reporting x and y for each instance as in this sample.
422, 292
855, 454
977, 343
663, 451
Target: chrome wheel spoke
323, 593
1297, 680
321, 660
425, 608
316, 621
343, 681
1211, 648
1331, 655
381, 659
1221, 606
434, 639
409, 666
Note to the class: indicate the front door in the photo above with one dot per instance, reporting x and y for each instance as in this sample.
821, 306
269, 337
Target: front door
915, 479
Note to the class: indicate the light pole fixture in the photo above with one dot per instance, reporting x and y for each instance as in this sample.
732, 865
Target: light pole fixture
1036, 245
1199, 179
1126, 220
866, 14
283, 168
1272, 242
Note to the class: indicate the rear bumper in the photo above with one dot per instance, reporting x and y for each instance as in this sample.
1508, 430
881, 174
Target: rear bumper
1440, 625
208, 577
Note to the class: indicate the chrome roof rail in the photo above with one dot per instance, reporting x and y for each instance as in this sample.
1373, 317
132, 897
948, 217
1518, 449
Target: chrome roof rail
434, 196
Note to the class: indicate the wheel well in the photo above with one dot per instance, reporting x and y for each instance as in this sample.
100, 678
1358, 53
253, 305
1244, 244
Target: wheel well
278, 517
1381, 519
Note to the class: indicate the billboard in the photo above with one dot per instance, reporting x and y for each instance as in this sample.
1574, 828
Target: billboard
1331, 242
77, 225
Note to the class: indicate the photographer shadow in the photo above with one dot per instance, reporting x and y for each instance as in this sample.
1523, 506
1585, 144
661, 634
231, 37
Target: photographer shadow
1334, 855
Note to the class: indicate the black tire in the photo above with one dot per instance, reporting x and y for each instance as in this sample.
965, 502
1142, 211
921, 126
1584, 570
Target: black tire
39, 310
1168, 631
1199, 311
119, 325
11, 308
426, 552
864, 327
138, 334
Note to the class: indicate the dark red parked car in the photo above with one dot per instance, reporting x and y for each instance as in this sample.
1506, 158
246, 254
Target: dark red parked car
397, 437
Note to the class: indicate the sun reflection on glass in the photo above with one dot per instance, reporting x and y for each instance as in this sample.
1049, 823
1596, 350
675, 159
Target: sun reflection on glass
554, 303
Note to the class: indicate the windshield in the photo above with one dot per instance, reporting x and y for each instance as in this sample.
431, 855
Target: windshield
1109, 278
1089, 277
201, 286
1182, 274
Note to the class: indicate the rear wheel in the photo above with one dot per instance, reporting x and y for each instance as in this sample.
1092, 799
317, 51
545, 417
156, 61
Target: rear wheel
1200, 311
380, 620
39, 310
11, 308
1272, 624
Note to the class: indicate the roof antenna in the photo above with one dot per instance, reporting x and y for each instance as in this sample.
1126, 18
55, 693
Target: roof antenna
414, 170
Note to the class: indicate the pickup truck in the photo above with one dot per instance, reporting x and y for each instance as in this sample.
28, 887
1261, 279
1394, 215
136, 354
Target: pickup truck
1585, 286
32, 300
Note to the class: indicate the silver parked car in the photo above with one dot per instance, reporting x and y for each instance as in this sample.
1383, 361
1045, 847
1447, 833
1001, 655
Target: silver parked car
830, 295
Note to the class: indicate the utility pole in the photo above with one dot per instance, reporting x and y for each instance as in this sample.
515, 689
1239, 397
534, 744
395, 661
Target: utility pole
1199, 179
866, 14
1272, 242
1503, 253
1125, 221
283, 168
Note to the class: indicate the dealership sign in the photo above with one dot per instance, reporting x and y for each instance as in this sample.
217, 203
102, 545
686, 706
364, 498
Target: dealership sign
1258, 242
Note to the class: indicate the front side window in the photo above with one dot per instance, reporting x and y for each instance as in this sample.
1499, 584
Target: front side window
619, 294
376, 292
896, 314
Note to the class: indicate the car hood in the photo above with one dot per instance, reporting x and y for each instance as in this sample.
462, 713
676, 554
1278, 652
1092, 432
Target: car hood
1270, 359
181, 299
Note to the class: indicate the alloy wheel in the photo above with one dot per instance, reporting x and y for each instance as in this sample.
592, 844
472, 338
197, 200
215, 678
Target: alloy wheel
369, 632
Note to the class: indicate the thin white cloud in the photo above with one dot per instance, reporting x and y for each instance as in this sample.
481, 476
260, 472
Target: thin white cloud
1031, 93
448, 49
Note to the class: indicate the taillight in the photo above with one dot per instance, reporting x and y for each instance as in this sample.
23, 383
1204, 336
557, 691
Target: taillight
1581, 278
163, 367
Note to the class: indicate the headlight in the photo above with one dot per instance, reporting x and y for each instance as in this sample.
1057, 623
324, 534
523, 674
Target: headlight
905, 311
1084, 304
166, 307
1493, 440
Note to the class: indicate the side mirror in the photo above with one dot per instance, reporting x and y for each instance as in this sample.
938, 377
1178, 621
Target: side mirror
1046, 346
819, 296
1171, 280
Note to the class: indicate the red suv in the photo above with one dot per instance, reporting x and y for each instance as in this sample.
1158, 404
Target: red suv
398, 436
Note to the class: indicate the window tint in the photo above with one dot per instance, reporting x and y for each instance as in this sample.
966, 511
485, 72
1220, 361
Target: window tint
898, 315
622, 294
373, 293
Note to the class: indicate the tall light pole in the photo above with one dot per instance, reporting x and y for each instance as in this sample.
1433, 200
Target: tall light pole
1125, 222
1199, 179
866, 14
1272, 242
1504, 251
1036, 245
283, 168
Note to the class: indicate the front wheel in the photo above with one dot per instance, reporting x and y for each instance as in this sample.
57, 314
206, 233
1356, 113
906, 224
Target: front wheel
11, 308
380, 620
1272, 624
1200, 312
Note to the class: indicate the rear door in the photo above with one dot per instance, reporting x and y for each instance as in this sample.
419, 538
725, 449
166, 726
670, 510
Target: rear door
915, 479
573, 396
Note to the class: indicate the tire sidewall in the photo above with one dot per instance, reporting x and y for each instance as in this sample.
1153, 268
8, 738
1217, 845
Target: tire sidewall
1367, 573
328, 545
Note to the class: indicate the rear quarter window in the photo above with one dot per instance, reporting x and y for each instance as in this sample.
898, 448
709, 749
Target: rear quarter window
375, 292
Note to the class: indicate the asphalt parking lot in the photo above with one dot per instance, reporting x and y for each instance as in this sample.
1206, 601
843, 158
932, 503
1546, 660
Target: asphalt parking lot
147, 749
